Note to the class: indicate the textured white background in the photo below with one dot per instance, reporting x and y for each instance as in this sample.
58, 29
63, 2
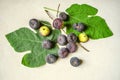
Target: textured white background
101, 63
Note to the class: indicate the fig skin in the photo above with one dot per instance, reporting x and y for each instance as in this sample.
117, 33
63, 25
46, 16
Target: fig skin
83, 37
44, 31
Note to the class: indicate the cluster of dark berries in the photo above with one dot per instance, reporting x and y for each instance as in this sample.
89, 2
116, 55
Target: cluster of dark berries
37, 25
58, 23
69, 40
43, 30
47, 44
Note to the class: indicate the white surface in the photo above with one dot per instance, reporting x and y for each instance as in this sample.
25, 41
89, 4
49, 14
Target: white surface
101, 63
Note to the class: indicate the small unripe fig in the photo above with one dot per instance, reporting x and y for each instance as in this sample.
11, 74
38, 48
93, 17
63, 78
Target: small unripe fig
83, 37
44, 31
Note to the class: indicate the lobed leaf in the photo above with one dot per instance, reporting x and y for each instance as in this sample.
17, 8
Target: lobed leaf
96, 26
24, 39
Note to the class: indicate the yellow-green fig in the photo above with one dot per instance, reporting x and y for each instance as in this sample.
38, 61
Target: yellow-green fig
44, 31
83, 37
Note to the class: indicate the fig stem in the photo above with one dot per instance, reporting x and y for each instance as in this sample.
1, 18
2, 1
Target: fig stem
83, 47
49, 14
46, 8
57, 45
63, 31
58, 10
